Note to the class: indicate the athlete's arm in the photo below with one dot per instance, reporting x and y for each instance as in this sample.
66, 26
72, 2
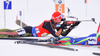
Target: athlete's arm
64, 33
48, 26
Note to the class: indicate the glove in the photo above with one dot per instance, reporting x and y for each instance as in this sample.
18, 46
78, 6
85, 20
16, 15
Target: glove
63, 19
63, 26
73, 26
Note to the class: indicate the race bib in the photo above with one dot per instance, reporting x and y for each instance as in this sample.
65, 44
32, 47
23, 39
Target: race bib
92, 40
37, 30
21, 31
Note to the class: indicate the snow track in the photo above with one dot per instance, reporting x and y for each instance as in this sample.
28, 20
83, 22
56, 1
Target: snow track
8, 48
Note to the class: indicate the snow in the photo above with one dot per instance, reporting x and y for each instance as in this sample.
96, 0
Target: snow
8, 48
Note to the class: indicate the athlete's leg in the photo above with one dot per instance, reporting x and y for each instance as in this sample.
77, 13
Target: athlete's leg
9, 33
26, 32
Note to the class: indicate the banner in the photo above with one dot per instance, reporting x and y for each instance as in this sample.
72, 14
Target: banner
8, 5
60, 6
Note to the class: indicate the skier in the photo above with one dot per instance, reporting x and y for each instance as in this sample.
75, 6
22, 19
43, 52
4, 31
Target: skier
47, 27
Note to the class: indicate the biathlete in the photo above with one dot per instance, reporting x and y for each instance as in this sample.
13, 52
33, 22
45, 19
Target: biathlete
49, 27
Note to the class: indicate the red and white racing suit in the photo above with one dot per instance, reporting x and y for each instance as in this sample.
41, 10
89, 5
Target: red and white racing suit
44, 29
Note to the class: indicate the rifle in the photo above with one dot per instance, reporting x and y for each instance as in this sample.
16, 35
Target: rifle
72, 22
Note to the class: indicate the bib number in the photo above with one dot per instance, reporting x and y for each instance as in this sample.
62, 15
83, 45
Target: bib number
37, 30
60, 8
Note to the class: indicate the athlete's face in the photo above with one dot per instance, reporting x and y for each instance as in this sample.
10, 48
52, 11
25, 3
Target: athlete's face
58, 22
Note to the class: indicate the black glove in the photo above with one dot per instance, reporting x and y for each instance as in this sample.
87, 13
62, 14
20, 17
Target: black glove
64, 26
76, 24
63, 19
73, 26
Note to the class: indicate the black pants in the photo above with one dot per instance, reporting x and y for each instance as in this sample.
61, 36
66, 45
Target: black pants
28, 29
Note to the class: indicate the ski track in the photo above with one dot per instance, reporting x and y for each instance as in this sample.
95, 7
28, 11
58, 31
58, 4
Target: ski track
8, 48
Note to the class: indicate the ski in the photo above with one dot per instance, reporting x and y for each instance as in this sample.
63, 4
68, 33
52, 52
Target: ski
30, 41
18, 39
95, 53
26, 40
18, 23
51, 45
55, 46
